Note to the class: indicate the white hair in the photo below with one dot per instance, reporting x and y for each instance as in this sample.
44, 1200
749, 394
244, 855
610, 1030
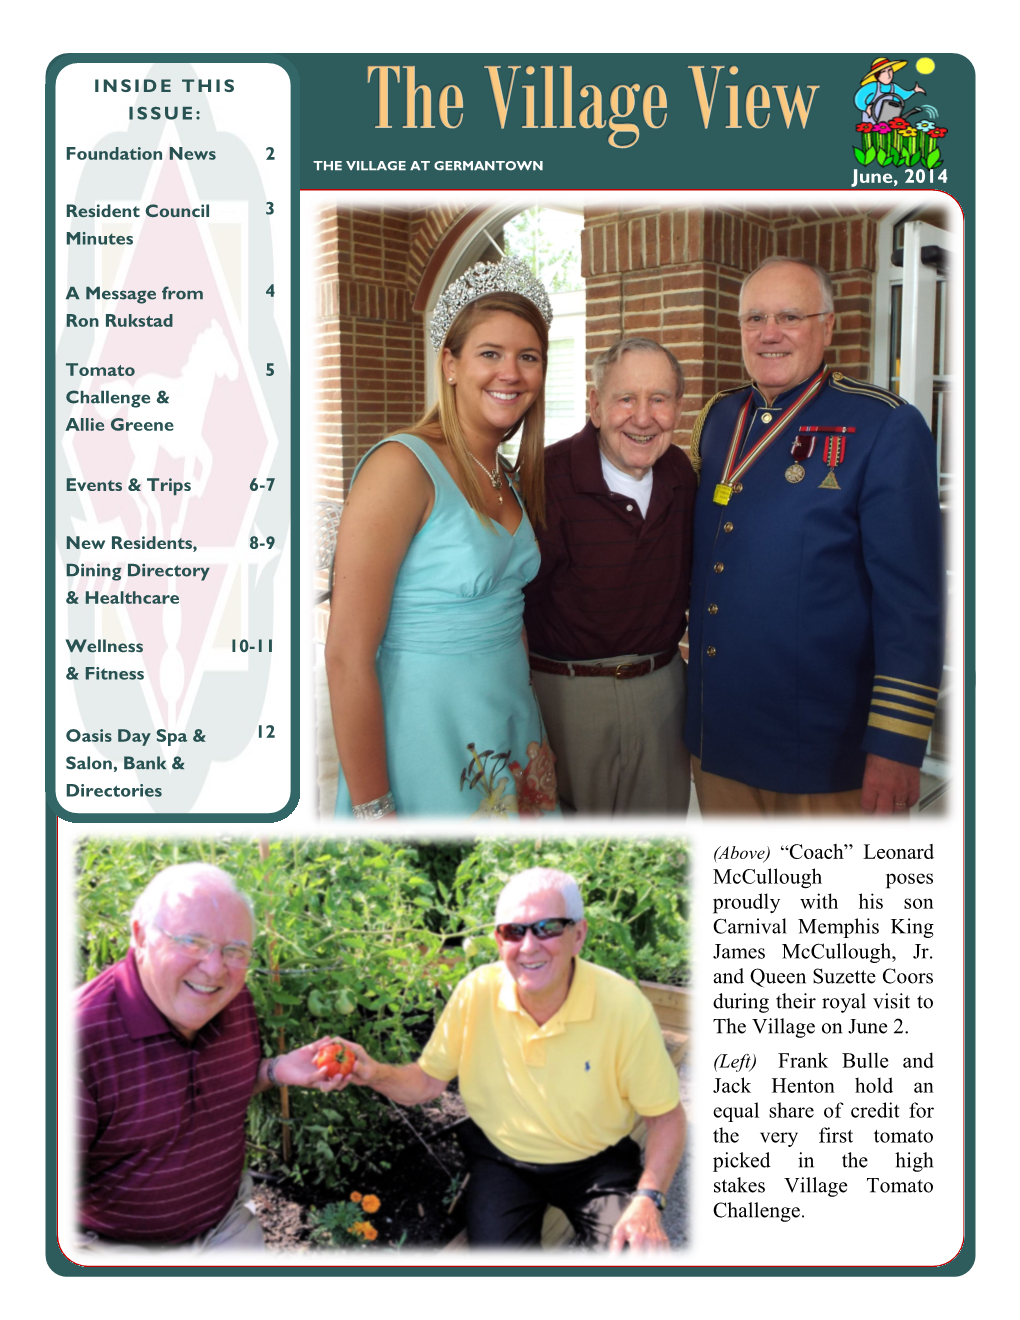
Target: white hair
634, 344
537, 880
822, 275
183, 879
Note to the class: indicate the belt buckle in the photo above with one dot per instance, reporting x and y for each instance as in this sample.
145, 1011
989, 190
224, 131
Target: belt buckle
620, 669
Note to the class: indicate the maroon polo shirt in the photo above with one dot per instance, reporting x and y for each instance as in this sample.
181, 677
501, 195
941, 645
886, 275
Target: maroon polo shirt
611, 582
161, 1122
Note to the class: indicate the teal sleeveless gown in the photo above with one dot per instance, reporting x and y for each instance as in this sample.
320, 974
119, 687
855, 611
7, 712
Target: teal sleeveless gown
464, 736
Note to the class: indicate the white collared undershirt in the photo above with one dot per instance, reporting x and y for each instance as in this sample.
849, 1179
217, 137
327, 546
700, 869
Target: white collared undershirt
638, 489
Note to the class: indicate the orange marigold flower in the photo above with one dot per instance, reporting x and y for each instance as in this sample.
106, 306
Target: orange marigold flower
355, 1229
370, 1233
355, 1197
370, 1204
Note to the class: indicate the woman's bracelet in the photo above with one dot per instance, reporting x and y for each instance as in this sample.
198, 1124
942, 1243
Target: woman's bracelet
376, 809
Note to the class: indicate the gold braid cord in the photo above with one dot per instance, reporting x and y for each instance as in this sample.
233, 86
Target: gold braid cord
699, 423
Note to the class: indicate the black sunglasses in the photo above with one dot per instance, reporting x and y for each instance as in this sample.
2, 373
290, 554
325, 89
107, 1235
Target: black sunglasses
515, 931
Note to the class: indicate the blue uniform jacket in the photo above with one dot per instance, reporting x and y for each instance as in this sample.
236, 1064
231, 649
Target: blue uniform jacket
816, 618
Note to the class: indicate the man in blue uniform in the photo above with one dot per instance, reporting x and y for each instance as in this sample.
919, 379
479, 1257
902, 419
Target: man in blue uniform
816, 627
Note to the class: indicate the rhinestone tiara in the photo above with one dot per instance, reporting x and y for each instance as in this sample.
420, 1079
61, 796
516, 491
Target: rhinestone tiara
510, 275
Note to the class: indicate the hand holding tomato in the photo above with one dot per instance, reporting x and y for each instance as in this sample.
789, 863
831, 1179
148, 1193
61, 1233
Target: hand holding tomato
320, 1064
335, 1060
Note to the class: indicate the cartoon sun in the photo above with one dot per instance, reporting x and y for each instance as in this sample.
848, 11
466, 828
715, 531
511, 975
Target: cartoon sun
925, 65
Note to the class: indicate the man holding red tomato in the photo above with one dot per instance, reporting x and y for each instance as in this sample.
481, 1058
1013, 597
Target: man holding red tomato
556, 1058
169, 1059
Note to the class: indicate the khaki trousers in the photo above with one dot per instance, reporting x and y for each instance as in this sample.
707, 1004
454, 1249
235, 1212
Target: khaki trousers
718, 796
618, 741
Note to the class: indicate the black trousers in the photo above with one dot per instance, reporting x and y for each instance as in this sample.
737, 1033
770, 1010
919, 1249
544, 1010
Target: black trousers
506, 1200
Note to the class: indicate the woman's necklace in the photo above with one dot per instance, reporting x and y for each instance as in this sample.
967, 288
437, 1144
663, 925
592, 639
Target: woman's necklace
493, 476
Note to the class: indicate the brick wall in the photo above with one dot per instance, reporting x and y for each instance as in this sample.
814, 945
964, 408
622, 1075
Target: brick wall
369, 338
369, 345
674, 274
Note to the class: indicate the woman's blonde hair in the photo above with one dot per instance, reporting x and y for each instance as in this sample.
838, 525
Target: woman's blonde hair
441, 422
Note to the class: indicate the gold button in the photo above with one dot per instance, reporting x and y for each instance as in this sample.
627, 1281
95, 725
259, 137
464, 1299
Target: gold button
727, 527
738, 488
717, 568
710, 651
766, 417
713, 609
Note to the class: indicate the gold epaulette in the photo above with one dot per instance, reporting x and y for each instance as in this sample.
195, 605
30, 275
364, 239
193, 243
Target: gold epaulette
699, 423
840, 381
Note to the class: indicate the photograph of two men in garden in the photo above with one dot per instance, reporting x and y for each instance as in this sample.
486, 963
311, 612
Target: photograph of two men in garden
378, 1046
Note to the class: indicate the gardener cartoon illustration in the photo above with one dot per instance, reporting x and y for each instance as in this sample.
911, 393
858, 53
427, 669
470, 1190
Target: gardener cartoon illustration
879, 98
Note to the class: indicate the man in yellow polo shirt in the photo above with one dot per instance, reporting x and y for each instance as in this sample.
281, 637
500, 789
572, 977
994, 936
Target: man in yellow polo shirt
556, 1058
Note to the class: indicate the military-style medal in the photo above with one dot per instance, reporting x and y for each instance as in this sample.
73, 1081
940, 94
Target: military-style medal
732, 470
835, 448
835, 451
802, 447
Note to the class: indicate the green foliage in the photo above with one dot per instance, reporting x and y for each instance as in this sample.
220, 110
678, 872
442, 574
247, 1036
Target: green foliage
548, 241
343, 1224
366, 940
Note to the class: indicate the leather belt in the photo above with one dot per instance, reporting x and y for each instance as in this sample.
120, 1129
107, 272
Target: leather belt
633, 669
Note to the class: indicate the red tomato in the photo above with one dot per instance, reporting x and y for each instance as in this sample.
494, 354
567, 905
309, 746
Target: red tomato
337, 1060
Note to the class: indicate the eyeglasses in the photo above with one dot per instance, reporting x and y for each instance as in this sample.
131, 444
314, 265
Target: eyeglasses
549, 929
783, 320
234, 955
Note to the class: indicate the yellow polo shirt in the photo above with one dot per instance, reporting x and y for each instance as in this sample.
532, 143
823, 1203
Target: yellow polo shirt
563, 1091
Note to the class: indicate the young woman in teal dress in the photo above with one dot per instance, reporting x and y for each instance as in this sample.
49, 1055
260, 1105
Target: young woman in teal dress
428, 672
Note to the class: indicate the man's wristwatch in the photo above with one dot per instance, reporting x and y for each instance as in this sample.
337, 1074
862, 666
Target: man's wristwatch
656, 1197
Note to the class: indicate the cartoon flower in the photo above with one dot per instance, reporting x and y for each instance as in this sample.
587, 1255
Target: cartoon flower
882, 127
925, 125
898, 123
938, 132
865, 128
908, 131
370, 1204
536, 783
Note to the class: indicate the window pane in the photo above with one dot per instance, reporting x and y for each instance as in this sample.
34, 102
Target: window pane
895, 336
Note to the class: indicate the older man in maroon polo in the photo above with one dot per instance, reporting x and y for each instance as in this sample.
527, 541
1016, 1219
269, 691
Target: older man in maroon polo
605, 615
169, 1059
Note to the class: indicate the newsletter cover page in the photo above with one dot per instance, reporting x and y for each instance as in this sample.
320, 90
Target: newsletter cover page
509, 680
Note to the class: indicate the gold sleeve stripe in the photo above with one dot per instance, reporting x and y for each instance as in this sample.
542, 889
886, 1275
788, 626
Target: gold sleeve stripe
910, 710
898, 726
910, 696
888, 678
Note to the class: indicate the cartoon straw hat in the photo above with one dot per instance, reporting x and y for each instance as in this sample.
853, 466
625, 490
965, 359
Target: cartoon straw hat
879, 65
